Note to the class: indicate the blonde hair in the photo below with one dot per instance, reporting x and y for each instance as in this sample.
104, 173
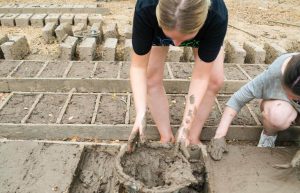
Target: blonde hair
186, 16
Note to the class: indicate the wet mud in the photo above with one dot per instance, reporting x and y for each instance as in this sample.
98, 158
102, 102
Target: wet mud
54, 69
107, 70
154, 167
28, 69
16, 108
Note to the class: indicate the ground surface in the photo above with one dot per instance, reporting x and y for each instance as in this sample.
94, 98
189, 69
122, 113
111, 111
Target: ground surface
257, 17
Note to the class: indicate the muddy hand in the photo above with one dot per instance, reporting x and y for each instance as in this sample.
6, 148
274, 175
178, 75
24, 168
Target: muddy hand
296, 163
181, 142
216, 148
137, 135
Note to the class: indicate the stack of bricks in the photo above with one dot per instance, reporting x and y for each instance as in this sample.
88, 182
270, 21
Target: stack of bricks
16, 48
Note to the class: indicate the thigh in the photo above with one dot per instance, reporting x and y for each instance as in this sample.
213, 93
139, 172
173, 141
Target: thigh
217, 72
157, 59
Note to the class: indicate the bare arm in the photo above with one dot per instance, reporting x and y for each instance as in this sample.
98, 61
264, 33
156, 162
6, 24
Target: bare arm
138, 80
197, 89
227, 117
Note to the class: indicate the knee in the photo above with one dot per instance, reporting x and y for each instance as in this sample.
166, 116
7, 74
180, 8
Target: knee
154, 82
216, 83
278, 119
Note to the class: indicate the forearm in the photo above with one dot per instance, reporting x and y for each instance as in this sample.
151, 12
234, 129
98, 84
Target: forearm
138, 80
198, 87
227, 117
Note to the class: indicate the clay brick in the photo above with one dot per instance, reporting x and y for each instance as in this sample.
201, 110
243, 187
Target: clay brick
254, 53
128, 31
16, 48
48, 32
38, 20
78, 29
273, 51
8, 20
188, 54
62, 31
95, 18
67, 18
23, 19
234, 53
53, 18
175, 53
127, 49
109, 49
111, 31
68, 48
87, 49
81, 18
3, 39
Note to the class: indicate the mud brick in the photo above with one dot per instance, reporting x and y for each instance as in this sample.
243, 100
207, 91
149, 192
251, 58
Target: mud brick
87, 49
48, 32
53, 18
16, 48
3, 39
254, 53
127, 49
273, 51
38, 20
109, 49
95, 18
8, 20
81, 18
62, 31
128, 31
174, 54
68, 48
23, 19
78, 28
67, 18
111, 31
234, 53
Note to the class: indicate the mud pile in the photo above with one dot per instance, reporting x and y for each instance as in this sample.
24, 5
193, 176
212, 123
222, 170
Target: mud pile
157, 168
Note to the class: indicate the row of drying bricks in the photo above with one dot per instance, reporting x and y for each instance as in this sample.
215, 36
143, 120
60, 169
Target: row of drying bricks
49, 8
113, 70
102, 108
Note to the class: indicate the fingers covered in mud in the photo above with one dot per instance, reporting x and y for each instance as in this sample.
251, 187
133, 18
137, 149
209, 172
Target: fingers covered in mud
217, 147
137, 135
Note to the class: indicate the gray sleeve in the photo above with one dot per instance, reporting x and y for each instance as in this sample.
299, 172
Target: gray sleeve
251, 90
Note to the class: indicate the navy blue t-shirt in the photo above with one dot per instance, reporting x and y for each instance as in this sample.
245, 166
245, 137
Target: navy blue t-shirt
209, 39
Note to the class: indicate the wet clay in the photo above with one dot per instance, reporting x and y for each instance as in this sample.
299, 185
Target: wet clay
107, 70
244, 117
252, 70
47, 110
28, 69
95, 172
54, 69
157, 168
16, 108
112, 109
80, 110
7, 66
81, 70
217, 147
232, 72
37, 167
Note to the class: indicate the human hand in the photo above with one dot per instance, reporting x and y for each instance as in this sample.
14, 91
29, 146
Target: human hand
216, 148
137, 134
295, 163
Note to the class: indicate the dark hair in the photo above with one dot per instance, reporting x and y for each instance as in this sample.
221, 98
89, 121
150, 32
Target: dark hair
291, 75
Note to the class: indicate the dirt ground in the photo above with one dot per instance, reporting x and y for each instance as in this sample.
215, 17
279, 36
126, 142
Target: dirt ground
249, 20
